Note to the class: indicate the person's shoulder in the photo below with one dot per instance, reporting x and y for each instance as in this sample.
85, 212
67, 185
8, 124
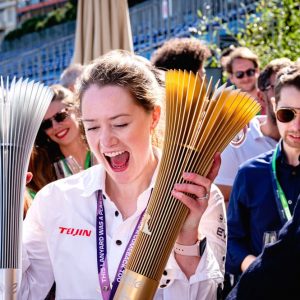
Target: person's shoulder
256, 121
254, 129
83, 182
244, 149
261, 161
253, 170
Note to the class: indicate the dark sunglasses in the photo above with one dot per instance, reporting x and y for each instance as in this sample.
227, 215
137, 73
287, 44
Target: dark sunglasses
286, 114
241, 74
58, 117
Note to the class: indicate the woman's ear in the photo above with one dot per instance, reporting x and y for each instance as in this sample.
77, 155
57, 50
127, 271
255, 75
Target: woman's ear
29, 176
155, 116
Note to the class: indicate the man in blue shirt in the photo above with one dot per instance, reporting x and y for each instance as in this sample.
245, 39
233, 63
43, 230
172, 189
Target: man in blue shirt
266, 188
275, 273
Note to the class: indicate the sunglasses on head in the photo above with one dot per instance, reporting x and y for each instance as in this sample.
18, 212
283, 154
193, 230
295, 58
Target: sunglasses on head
241, 74
58, 117
286, 114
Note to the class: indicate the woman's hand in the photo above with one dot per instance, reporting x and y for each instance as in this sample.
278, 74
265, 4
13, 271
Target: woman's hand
198, 186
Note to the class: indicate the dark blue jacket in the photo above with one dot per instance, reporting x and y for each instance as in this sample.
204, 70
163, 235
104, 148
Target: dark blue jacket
253, 207
275, 274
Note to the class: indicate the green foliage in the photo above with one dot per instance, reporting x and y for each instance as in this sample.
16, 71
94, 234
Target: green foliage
14, 34
208, 30
273, 31
27, 26
71, 10
55, 17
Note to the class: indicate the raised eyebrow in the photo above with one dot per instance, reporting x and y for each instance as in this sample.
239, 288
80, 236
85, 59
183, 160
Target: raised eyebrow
118, 116
111, 118
87, 120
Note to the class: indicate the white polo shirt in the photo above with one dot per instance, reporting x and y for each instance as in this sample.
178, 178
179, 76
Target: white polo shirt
232, 157
59, 238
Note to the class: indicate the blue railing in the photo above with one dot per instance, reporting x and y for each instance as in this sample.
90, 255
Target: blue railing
44, 55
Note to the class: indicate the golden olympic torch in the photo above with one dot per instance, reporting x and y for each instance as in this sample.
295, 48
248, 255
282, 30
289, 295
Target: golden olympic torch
200, 121
23, 105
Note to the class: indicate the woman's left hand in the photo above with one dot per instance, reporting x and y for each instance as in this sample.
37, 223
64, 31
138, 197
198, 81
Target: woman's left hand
198, 186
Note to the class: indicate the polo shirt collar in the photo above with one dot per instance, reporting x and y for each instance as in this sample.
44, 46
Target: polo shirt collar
93, 180
281, 156
254, 127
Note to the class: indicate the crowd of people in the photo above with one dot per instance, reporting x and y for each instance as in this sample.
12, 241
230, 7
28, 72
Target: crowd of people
107, 117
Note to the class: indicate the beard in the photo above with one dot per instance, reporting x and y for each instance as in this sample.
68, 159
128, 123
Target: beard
271, 112
250, 87
273, 118
292, 143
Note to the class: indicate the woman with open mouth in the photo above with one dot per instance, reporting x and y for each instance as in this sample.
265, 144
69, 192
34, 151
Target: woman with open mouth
80, 230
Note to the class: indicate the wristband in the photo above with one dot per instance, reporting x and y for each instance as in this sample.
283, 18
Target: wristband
192, 250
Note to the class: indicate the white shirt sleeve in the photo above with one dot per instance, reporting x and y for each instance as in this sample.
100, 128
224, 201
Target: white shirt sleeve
210, 271
229, 167
37, 274
213, 226
203, 285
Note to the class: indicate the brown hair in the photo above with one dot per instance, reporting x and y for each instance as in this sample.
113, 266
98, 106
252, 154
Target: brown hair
62, 94
273, 67
182, 54
45, 151
244, 53
122, 68
40, 166
289, 76
42, 140
127, 70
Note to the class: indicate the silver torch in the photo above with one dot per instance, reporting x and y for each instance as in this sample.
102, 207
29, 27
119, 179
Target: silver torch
23, 104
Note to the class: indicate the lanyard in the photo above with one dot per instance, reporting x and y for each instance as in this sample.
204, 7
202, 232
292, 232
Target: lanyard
106, 290
87, 162
281, 201
31, 192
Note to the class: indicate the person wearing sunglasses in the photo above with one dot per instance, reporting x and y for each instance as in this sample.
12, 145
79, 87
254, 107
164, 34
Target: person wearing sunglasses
262, 135
266, 188
60, 136
243, 69
275, 272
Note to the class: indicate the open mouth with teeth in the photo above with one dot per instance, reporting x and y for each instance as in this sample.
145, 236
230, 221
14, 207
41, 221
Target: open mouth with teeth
117, 160
61, 134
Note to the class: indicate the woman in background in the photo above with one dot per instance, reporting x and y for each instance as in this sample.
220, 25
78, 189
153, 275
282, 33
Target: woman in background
60, 136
